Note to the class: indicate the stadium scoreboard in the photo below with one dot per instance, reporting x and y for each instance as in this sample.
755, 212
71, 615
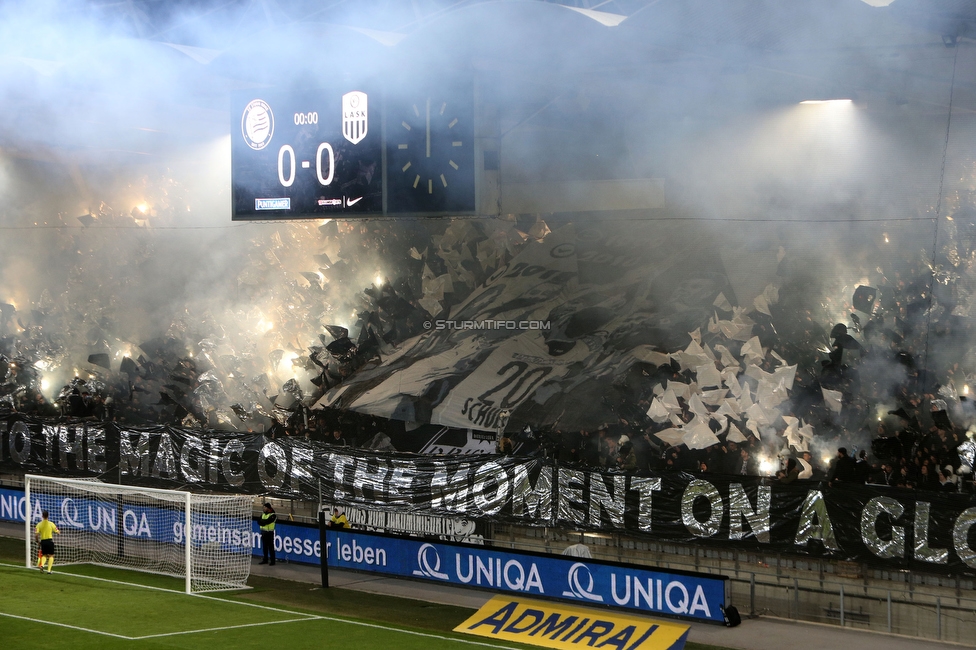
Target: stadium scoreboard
351, 151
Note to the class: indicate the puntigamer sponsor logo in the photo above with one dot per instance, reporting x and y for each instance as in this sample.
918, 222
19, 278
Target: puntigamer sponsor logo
272, 204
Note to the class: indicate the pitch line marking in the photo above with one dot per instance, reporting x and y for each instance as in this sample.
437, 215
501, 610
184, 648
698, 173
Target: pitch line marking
72, 627
79, 575
309, 617
227, 627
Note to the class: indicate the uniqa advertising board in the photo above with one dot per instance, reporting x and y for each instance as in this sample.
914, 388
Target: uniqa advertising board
293, 543
671, 593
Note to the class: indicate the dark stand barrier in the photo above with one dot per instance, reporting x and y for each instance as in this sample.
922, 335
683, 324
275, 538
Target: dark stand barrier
324, 538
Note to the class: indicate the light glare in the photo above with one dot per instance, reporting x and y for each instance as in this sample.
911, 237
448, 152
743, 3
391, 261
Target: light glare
826, 101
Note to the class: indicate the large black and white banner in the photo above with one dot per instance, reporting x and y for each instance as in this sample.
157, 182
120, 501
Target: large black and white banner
546, 334
890, 527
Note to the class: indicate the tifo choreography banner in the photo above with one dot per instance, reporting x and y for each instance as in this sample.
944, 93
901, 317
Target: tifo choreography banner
577, 311
889, 527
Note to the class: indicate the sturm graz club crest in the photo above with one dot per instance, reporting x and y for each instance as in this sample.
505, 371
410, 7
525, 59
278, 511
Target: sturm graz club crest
257, 124
355, 121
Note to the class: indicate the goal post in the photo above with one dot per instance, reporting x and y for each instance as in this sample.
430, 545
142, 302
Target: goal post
204, 539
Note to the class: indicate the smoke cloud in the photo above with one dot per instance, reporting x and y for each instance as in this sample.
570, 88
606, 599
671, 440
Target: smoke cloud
115, 207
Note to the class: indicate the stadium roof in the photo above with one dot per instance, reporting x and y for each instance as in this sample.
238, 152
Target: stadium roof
140, 76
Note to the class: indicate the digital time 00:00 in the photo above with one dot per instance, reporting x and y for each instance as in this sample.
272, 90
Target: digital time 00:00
301, 119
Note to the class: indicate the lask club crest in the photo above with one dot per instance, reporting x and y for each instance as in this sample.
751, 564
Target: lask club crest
355, 122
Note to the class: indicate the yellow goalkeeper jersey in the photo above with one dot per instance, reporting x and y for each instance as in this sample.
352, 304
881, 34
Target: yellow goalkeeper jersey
46, 529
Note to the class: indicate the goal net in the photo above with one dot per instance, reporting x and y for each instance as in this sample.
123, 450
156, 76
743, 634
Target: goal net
204, 539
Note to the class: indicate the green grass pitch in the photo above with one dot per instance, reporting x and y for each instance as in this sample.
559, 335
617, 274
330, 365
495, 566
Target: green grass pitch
85, 606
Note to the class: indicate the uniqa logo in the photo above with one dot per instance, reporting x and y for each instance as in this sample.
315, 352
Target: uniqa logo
427, 569
576, 588
499, 573
69, 513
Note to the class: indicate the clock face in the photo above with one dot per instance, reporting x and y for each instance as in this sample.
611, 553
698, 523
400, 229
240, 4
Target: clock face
430, 153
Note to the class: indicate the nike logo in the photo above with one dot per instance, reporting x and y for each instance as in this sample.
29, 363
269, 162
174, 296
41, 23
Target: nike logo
352, 202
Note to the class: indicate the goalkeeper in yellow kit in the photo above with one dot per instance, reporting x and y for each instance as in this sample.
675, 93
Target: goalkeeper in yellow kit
44, 533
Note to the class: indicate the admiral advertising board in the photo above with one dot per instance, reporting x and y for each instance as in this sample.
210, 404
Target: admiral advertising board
562, 626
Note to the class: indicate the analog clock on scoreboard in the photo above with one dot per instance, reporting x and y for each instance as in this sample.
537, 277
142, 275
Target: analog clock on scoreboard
430, 151
311, 153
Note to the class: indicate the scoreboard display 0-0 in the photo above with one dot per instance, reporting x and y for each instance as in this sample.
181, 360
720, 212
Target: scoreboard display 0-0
353, 151
306, 154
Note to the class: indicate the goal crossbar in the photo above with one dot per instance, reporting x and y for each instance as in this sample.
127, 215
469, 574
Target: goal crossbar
96, 485
203, 539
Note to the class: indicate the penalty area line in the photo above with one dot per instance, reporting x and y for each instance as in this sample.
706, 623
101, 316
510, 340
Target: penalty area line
226, 627
70, 627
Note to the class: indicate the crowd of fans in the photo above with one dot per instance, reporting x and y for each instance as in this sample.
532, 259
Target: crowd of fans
904, 452
910, 458
903, 410
914, 446
93, 401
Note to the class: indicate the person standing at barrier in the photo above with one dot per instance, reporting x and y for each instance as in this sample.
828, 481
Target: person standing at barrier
842, 470
267, 525
338, 519
45, 532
